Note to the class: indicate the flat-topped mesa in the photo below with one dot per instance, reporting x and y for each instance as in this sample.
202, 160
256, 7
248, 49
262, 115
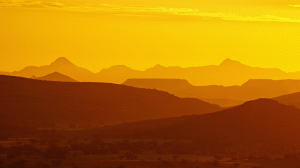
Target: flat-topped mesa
285, 83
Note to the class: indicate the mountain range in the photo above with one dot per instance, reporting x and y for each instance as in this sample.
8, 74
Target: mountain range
33, 102
228, 73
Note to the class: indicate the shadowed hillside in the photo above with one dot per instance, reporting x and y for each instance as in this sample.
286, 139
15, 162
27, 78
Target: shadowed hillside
223, 96
56, 76
179, 87
290, 99
35, 102
262, 120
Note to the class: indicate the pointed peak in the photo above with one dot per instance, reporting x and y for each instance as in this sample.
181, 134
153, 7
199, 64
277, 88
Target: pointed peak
229, 62
57, 76
158, 66
62, 61
55, 73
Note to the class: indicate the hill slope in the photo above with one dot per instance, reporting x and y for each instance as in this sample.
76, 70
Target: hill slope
258, 121
29, 101
290, 99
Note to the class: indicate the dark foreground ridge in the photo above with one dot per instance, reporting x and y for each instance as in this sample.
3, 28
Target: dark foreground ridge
44, 103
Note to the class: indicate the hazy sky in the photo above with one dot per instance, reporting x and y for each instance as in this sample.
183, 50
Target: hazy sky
97, 34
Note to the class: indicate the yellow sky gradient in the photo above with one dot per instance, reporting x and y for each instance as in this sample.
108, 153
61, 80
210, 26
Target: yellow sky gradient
97, 34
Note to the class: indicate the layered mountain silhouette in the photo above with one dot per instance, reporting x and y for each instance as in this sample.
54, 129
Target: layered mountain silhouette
228, 73
290, 99
35, 102
56, 76
223, 96
257, 121
60, 65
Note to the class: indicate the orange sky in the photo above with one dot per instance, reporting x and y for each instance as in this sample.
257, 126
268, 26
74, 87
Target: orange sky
97, 34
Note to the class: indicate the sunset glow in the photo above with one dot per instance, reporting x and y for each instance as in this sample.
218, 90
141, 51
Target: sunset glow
140, 34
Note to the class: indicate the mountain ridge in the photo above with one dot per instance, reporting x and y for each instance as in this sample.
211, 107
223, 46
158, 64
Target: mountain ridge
228, 73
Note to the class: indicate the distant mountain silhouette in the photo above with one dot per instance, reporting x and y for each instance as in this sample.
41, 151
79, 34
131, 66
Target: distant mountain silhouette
258, 121
228, 63
36, 102
223, 96
290, 99
61, 65
228, 73
56, 76
62, 62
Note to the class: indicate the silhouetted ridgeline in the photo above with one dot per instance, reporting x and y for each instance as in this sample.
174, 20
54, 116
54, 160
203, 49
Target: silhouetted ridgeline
36, 102
228, 73
257, 121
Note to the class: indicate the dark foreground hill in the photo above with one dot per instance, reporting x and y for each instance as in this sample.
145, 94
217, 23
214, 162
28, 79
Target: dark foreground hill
35, 102
258, 121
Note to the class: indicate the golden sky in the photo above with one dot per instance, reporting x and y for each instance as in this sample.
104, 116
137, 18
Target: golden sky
97, 34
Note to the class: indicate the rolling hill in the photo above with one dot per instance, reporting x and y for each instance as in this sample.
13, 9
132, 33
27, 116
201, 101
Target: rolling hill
35, 102
257, 121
